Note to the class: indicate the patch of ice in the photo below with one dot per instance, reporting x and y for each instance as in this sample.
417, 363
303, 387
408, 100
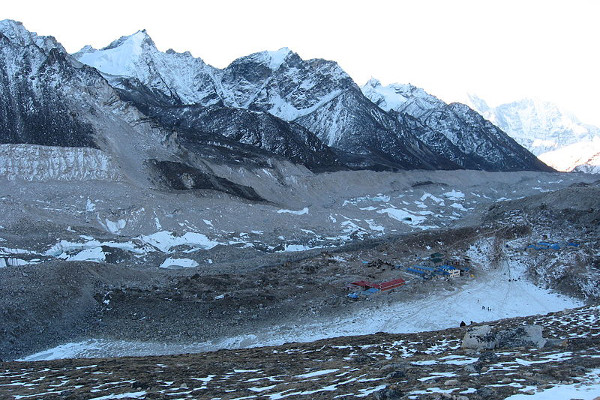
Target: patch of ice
115, 227
366, 392
425, 362
95, 254
13, 262
458, 206
432, 197
90, 206
8, 250
165, 240
172, 263
130, 395
295, 212
454, 195
261, 389
403, 215
317, 373
588, 389
373, 226
299, 247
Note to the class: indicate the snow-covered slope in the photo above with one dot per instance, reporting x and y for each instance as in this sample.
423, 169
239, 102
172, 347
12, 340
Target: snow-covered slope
454, 130
557, 137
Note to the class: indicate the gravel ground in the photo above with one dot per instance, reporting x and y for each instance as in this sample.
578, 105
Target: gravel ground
243, 289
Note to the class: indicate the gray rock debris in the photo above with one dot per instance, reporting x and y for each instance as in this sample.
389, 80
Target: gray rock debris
483, 338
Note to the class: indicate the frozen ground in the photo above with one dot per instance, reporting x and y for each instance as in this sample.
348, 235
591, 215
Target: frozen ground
409, 366
107, 269
503, 292
113, 222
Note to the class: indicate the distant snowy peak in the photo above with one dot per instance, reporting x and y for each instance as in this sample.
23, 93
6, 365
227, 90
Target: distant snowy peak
556, 136
538, 125
178, 76
401, 98
138, 40
454, 130
271, 59
583, 156
121, 57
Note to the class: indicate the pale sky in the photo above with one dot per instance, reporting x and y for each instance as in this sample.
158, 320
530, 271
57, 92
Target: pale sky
500, 50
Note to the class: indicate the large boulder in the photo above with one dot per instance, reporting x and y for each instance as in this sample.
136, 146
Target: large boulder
484, 338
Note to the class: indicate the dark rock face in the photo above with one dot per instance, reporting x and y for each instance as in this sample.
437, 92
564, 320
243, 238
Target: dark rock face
35, 76
180, 176
257, 129
483, 145
352, 123
454, 130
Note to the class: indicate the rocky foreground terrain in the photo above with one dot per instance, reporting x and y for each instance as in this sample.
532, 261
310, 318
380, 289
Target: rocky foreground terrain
111, 308
426, 365
117, 289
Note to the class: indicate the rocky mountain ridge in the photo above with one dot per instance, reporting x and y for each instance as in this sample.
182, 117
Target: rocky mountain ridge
315, 94
454, 130
51, 99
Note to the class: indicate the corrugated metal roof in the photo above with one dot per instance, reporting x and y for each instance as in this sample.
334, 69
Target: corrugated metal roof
392, 284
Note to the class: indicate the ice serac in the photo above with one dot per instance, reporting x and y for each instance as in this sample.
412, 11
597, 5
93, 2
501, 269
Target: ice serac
453, 130
556, 136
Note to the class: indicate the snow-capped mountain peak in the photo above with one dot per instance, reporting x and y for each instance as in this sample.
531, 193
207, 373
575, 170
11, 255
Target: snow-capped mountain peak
400, 97
274, 59
454, 130
178, 76
556, 136
15, 30
122, 57
135, 41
